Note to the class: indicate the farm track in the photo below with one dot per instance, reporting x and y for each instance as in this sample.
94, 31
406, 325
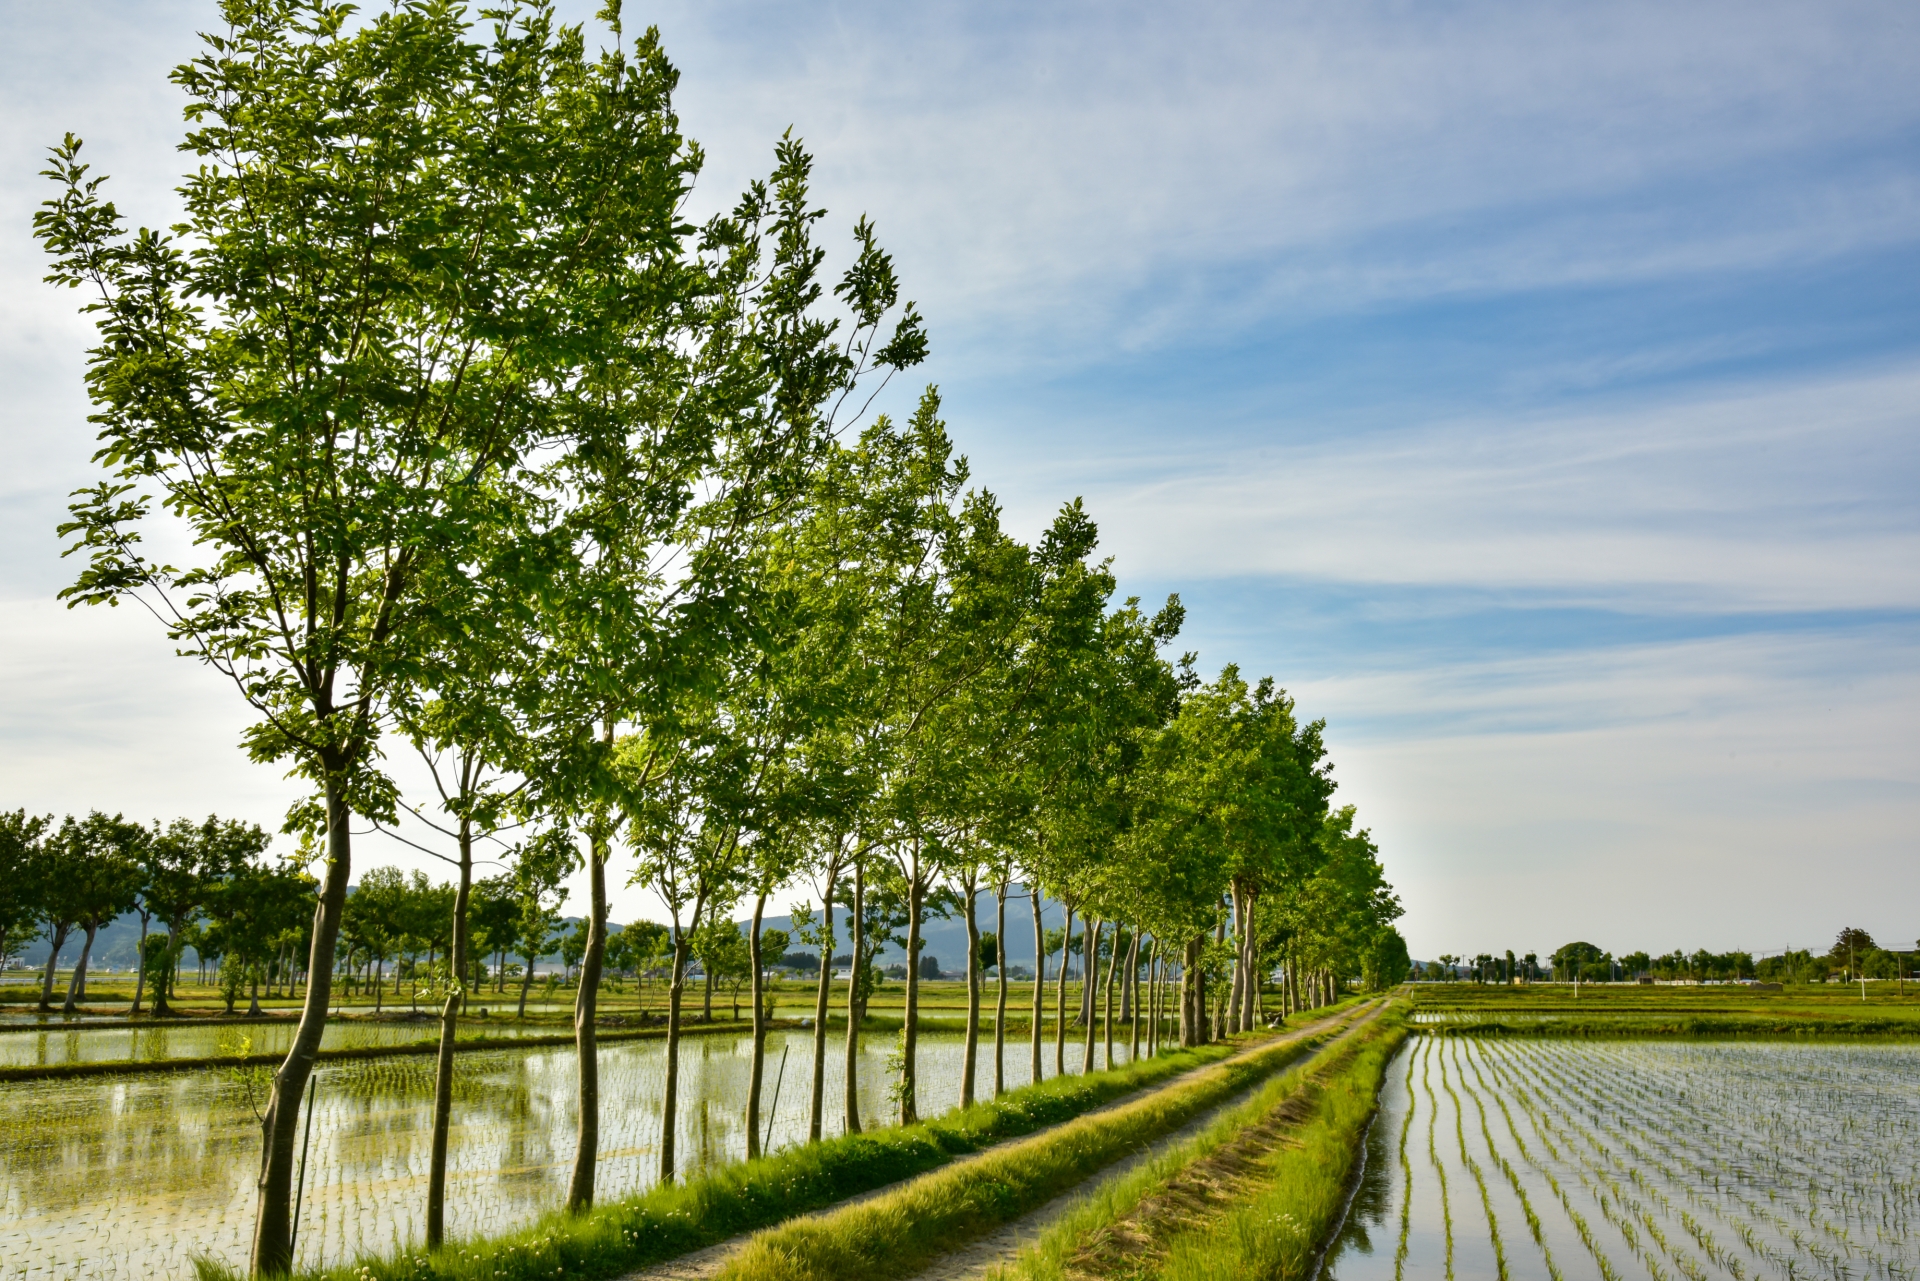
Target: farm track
974, 1259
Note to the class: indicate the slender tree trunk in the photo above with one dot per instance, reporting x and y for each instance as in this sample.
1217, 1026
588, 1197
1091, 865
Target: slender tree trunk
449, 1033
670, 1092
820, 999
77, 985
756, 1067
58, 934
273, 1229
1133, 995
910, 1033
586, 999
1039, 976
971, 1042
1089, 988
1217, 1016
1000, 998
526, 982
1191, 1033
1153, 1000
139, 968
1060, 998
855, 1007
1113, 960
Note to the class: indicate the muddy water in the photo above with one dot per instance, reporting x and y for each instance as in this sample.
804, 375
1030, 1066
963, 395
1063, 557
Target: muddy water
133, 1176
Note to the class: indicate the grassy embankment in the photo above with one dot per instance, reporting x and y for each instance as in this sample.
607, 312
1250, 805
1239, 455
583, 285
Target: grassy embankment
900, 1233
1256, 1194
665, 1222
1808, 1010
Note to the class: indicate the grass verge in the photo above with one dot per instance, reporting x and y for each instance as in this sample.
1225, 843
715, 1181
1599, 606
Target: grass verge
1134, 1225
665, 1222
898, 1234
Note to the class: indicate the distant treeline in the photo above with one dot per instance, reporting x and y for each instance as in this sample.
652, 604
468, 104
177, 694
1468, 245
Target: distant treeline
1854, 956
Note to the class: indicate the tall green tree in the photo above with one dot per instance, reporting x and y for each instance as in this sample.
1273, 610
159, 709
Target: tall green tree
106, 877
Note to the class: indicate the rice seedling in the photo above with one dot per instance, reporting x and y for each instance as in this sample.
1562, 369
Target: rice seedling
1698, 1161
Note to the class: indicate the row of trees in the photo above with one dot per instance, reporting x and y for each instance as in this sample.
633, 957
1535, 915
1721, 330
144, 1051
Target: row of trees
1853, 956
487, 449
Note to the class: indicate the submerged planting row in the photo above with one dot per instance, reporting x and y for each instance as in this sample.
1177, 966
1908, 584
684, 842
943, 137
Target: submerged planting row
1674, 1161
131, 1177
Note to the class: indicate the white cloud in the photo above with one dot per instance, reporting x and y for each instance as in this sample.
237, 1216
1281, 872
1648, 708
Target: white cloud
1794, 498
1747, 792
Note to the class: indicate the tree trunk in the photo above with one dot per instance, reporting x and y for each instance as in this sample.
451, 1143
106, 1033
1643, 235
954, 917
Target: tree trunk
1189, 996
273, 1229
526, 982
1039, 976
757, 1066
820, 999
1132, 992
139, 968
1000, 998
449, 1033
58, 933
1113, 960
77, 985
670, 1092
1237, 899
855, 1007
972, 1039
910, 1033
1153, 999
586, 999
1089, 988
1060, 998
379, 984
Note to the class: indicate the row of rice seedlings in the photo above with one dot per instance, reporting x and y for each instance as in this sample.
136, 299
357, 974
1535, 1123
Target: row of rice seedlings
1737, 1195
1843, 1248
1513, 1177
1644, 1160
1480, 1180
1579, 1221
1433, 1152
1626, 1212
1406, 1180
1705, 1173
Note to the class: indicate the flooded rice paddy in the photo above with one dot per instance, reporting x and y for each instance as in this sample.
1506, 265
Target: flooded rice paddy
133, 1176
52, 1044
1613, 1161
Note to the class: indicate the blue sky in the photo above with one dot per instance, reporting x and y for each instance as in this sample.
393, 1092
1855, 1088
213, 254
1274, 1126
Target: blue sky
1534, 390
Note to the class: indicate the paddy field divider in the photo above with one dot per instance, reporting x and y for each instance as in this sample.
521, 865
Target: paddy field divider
1301, 1133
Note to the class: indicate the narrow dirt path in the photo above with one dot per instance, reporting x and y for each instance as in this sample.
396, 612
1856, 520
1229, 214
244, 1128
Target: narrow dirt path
701, 1264
980, 1257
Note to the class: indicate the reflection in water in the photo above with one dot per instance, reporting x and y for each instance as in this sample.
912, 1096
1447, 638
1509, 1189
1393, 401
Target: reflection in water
48, 1045
1364, 1248
132, 1176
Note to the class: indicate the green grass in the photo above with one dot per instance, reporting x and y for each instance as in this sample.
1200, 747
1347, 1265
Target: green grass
1280, 1231
1049, 1258
898, 1234
668, 1221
